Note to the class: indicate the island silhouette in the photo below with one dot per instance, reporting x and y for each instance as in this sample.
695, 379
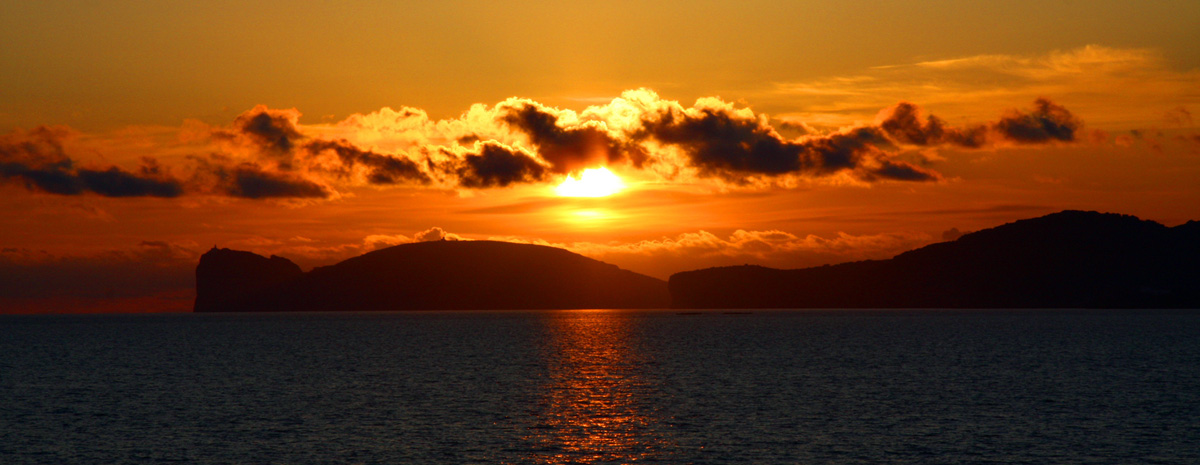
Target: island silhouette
435, 275
1070, 259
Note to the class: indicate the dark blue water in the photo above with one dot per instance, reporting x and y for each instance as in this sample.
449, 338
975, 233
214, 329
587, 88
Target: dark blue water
828, 387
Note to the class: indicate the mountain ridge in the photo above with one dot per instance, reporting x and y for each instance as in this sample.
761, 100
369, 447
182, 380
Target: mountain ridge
1069, 259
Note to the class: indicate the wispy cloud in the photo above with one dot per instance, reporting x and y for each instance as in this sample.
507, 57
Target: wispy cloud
1114, 88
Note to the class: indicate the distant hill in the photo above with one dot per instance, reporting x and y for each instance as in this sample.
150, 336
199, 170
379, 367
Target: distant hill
424, 276
1071, 259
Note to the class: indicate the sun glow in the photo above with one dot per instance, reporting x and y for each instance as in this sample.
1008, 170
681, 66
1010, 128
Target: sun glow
595, 182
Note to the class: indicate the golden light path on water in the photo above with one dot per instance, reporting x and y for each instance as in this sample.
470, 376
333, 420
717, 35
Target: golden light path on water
592, 411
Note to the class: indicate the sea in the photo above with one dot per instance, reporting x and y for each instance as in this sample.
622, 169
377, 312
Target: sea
603, 387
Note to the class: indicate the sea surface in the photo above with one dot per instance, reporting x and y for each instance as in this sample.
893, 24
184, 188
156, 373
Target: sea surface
603, 386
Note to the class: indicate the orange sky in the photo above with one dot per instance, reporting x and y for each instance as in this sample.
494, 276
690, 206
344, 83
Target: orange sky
137, 136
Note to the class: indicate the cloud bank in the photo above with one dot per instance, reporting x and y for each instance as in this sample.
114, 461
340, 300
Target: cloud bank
266, 153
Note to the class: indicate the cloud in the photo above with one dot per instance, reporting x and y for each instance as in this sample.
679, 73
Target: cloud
1047, 122
902, 123
278, 160
272, 130
310, 252
249, 181
266, 153
218, 175
37, 161
569, 148
687, 251
375, 168
657, 257
719, 140
711, 139
1115, 88
155, 274
492, 164
436, 234
760, 245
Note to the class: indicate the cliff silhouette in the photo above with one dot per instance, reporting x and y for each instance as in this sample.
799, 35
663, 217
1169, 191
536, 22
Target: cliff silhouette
437, 275
1071, 259
225, 278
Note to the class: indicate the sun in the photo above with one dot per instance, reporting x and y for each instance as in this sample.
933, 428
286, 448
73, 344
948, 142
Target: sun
594, 182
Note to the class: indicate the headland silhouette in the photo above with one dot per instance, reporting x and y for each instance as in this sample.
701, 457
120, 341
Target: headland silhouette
436, 275
1070, 259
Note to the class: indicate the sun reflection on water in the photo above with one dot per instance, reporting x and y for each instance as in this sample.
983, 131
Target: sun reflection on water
592, 411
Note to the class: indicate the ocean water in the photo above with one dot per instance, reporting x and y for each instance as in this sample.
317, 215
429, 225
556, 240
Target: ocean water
603, 386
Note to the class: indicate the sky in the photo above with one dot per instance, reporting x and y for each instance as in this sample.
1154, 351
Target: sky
134, 136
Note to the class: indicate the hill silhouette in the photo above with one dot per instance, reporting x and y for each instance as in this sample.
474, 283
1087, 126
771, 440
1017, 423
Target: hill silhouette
436, 275
1071, 259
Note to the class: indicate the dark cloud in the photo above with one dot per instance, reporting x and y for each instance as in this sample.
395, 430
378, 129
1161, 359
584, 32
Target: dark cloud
113, 182
840, 150
722, 144
269, 135
53, 179
218, 175
281, 154
902, 123
899, 171
570, 149
264, 154
36, 161
380, 169
274, 130
1048, 122
495, 165
252, 182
